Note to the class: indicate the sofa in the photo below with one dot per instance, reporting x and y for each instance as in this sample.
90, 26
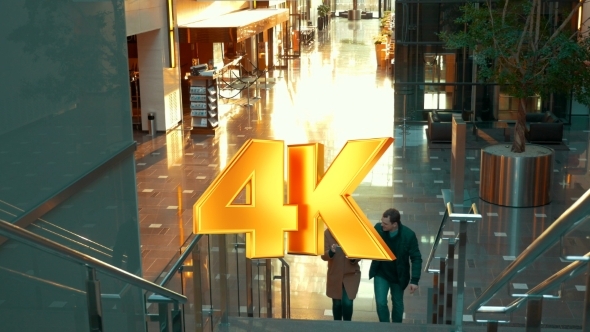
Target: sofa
366, 15
544, 128
440, 127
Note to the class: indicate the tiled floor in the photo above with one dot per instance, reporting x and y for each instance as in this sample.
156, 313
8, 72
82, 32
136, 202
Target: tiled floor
334, 93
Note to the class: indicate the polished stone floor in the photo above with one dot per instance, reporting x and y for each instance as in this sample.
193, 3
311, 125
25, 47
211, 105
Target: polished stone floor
333, 93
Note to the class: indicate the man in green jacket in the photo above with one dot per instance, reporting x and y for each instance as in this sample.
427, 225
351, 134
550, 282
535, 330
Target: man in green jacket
394, 275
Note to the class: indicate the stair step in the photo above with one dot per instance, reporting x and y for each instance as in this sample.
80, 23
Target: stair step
297, 325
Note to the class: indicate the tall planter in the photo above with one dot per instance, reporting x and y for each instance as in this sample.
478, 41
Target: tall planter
380, 54
516, 179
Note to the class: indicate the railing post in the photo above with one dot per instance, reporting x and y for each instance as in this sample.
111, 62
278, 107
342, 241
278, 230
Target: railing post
434, 307
223, 291
164, 317
534, 312
94, 301
441, 291
268, 283
197, 290
177, 318
286, 289
492, 326
249, 291
461, 275
586, 313
449, 282
463, 219
283, 298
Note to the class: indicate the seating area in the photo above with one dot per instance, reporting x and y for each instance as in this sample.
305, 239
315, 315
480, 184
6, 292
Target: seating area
542, 128
364, 14
440, 127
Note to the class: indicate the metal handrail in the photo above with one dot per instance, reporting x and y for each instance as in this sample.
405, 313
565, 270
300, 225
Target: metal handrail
448, 263
572, 216
285, 289
178, 265
72, 240
562, 275
61, 229
22, 235
43, 281
443, 222
50, 283
472, 214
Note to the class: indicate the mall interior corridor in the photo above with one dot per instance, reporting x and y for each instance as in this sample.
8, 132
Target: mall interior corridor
332, 93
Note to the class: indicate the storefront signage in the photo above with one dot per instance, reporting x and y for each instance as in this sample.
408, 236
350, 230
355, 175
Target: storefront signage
248, 197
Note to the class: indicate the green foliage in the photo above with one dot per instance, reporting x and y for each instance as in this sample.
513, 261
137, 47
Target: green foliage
323, 10
380, 39
385, 25
385, 20
516, 45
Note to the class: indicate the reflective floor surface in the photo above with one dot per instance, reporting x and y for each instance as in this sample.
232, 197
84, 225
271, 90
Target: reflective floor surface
333, 93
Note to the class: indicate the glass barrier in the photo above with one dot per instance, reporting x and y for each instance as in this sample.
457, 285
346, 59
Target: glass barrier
66, 290
212, 271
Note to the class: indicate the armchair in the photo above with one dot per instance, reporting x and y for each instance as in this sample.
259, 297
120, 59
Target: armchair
544, 128
440, 127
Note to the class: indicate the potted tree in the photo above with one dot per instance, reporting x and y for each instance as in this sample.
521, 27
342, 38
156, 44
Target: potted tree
386, 23
383, 38
380, 42
517, 45
323, 11
326, 14
530, 48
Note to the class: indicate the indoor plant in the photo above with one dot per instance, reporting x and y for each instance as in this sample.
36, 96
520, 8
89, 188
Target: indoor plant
323, 11
517, 45
530, 48
380, 39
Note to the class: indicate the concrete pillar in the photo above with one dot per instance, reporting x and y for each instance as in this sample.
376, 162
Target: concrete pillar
159, 85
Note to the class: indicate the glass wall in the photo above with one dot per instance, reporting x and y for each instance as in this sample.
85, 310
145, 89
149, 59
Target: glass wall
364, 5
67, 170
432, 77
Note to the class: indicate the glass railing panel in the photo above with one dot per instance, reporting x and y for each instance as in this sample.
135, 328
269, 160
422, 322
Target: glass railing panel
53, 291
260, 303
247, 283
232, 262
31, 299
123, 307
237, 266
100, 220
195, 282
574, 245
540, 253
80, 242
214, 286
181, 281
